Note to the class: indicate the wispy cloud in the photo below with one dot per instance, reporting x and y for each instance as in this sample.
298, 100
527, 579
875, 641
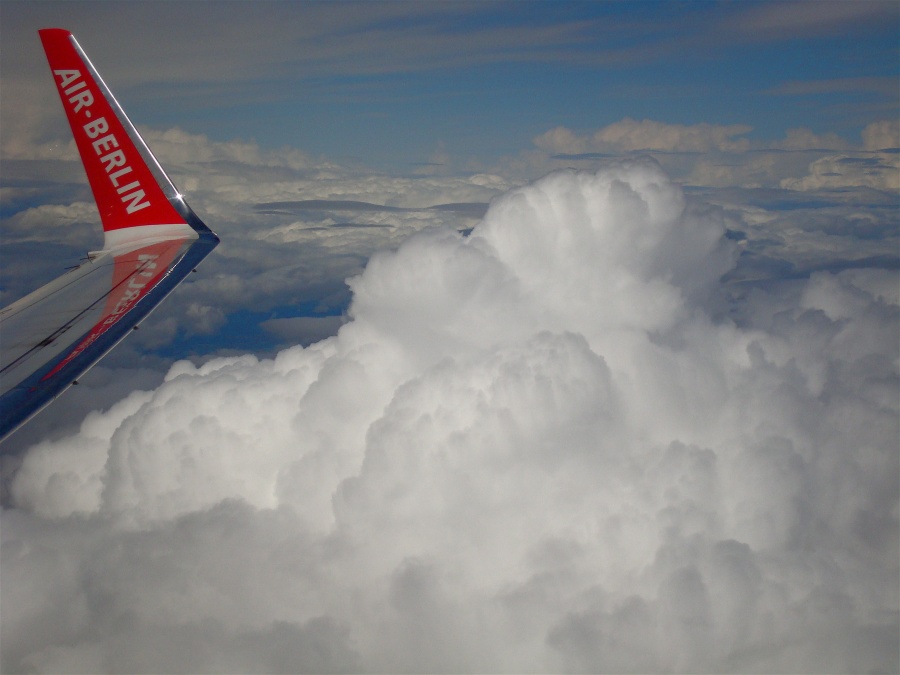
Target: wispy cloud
791, 20
884, 86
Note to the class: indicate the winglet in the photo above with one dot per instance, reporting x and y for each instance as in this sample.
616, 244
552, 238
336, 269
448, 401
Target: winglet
136, 199
152, 241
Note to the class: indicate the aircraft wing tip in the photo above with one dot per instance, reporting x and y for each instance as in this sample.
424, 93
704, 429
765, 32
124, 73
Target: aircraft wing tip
53, 31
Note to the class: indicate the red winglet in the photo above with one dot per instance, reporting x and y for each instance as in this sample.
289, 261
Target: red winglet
130, 187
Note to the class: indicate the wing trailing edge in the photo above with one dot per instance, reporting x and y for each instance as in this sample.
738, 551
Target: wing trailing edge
152, 241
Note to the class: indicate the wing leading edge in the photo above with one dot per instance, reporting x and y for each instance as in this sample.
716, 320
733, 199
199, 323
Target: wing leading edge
152, 241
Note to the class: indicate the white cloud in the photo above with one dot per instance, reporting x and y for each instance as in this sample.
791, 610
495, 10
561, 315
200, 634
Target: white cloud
791, 19
532, 448
881, 135
54, 222
805, 139
878, 170
630, 135
885, 86
715, 155
179, 147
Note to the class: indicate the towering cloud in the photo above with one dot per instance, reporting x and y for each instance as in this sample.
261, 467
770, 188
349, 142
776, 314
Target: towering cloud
559, 443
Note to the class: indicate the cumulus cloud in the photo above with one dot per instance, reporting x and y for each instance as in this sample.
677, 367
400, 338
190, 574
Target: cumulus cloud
541, 447
718, 156
878, 170
881, 135
805, 139
874, 165
630, 135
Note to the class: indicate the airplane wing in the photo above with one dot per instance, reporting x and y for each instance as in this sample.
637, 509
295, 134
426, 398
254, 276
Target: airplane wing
152, 241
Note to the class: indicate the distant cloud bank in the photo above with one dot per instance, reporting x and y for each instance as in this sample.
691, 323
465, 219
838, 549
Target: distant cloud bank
714, 155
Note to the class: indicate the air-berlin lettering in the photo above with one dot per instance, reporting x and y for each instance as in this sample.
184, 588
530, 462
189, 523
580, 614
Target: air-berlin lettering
113, 160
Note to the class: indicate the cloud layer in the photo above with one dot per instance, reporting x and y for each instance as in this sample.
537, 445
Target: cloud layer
541, 447
717, 155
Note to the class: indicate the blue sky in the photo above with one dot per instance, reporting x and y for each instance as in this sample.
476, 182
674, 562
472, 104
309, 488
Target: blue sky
603, 61
385, 83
